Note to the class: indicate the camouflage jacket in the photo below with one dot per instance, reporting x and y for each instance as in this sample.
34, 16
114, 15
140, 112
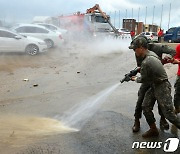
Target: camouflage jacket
152, 70
159, 50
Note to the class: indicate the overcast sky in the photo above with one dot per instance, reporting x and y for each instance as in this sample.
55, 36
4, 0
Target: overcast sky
25, 10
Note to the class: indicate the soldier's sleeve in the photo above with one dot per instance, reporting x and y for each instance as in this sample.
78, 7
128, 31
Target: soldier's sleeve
144, 74
168, 50
160, 49
150, 46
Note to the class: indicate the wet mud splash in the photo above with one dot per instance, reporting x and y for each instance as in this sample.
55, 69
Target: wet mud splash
18, 130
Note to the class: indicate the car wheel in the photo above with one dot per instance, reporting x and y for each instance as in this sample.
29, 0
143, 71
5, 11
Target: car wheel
49, 43
32, 49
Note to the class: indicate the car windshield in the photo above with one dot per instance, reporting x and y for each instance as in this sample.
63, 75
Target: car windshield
147, 33
124, 30
13, 28
100, 19
171, 30
142, 33
155, 34
17, 34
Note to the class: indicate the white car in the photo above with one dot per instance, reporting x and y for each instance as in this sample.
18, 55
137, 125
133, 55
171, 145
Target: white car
50, 37
150, 35
13, 42
52, 27
124, 34
56, 29
124, 31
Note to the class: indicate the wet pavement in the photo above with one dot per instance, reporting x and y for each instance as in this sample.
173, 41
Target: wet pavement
66, 77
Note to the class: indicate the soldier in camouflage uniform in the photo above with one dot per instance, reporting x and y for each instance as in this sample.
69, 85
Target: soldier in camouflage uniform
154, 74
159, 50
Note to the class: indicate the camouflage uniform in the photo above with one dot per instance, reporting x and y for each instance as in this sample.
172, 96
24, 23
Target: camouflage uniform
177, 93
159, 50
154, 74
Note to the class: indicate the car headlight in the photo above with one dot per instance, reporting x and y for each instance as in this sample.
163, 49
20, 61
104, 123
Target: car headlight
42, 43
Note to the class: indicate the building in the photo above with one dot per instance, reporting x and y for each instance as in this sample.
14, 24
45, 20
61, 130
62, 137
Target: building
151, 28
139, 27
129, 24
132, 25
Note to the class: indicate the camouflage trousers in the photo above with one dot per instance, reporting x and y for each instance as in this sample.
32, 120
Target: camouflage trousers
177, 93
162, 93
141, 94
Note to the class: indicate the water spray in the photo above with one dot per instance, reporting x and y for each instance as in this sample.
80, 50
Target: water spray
80, 114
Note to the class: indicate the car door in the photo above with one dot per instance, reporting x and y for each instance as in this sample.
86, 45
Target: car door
9, 42
41, 33
26, 30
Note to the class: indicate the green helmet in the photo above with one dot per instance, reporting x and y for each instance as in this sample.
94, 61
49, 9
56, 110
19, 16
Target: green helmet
139, 41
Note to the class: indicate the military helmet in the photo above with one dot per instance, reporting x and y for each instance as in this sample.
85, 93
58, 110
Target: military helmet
139, 41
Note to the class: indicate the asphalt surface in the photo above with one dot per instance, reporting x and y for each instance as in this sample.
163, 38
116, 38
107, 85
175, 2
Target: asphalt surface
60, 79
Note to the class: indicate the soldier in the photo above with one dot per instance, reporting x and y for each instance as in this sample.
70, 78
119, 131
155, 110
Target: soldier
159, 50
154, 74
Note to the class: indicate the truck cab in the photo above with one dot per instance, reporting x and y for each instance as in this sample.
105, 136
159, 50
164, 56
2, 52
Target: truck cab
97, 23
172, 35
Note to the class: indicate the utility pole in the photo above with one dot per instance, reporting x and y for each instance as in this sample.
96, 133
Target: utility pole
132, 20
169, 15
145, 19
115, 19
138, 21
161, 16
145, 15
153, 17
125, 19
119, 19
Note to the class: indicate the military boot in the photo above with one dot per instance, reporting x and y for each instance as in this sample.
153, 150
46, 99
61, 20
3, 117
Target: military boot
136, 126
152, 132
164, 124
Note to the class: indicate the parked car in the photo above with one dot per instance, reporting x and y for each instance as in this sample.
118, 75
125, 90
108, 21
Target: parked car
53, 27
123, 31
150, 35
56, 29
50, 37
124, 34
172, 35
13, 42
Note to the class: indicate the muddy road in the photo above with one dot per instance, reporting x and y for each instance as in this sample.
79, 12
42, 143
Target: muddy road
36, 90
